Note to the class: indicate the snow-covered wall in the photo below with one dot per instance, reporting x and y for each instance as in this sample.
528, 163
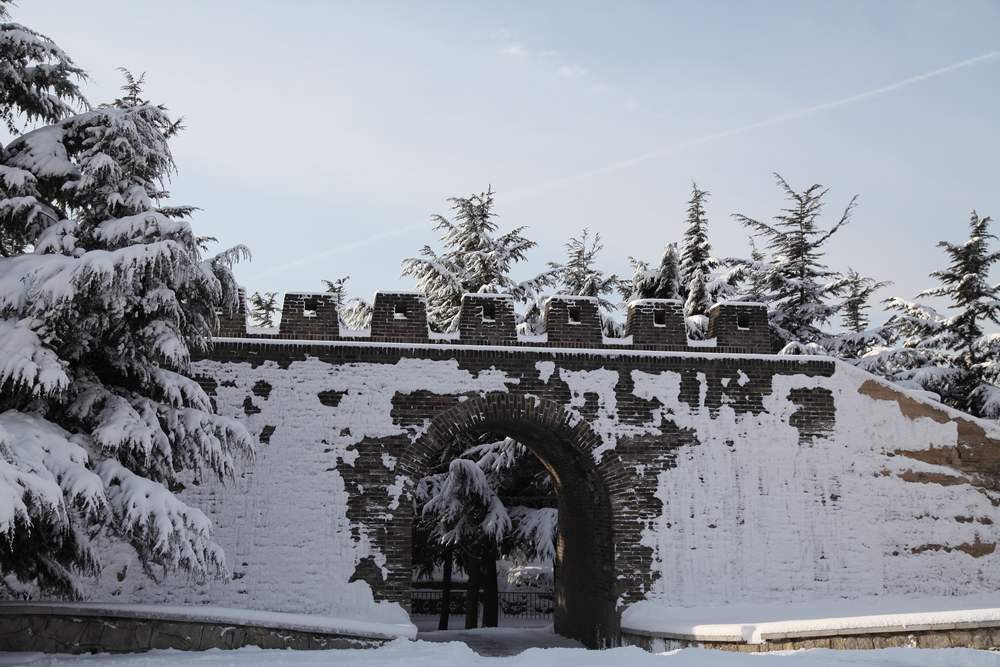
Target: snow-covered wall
728, 477
871, 506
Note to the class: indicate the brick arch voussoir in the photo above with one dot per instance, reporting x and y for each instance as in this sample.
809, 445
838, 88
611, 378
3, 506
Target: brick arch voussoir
469, 417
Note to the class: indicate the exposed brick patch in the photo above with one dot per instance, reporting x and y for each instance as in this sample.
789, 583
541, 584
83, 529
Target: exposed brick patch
266, 433
249, 408
368, 572
816, 413
331, 398
262, 389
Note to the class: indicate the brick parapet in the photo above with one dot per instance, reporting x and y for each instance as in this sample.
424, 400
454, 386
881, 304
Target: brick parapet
490, 319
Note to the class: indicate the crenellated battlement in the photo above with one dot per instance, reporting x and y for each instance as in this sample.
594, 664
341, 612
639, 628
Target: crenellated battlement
490, 319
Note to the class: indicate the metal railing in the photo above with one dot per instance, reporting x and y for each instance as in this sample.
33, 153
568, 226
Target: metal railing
513, 604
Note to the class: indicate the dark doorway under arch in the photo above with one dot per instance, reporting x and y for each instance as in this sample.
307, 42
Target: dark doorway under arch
585, 590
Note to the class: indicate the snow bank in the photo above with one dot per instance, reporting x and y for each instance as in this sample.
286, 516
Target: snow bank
222, 615
756, 623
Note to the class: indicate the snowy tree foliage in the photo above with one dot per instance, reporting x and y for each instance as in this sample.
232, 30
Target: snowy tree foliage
858, 291
698, 299
747, 277
798, 286
951, 356
464, 503
663, 282
696, 252
357, 314
474, 259
489, 501
38, 81
579, 276
99, 313
859, 338
263, 307
338, 288
966, 284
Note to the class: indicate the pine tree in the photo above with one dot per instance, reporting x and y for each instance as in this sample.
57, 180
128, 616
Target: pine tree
858, 293
950, 356
661, 283
492, 500
579, 276
97, 324
475, 259
38, 81
338, 288
357, 314
698, 301
38, 84
696, 251
263, 307
966, 284
799, 286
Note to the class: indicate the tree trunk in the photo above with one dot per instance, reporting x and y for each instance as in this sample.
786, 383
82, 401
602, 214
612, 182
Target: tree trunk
491, 597
473, 568
445, 590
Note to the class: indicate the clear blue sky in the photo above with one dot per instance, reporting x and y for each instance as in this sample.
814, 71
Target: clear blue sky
323, 135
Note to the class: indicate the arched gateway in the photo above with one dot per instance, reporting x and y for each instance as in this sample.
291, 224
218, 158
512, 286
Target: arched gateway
584, 567
693, 473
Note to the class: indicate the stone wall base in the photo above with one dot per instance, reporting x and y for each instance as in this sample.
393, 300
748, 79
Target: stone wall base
105, 634
978, 638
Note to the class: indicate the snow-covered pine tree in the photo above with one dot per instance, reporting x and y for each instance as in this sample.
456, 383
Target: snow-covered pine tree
38, 81
263, 306
799, 286
475, 259
579, 276
338, 288
664, 282
747, 278
696, 251
858, 291
98, 318
492, 500
698, 299
461, 510
357, 314
859, 338
913, 355
353, 313
966, 284
38, 84
951, 356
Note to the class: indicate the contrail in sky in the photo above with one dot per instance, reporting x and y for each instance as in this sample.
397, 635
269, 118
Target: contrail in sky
654, 154
792, 115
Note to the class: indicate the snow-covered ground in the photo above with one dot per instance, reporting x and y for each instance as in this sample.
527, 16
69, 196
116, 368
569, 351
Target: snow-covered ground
429, 622
455, 654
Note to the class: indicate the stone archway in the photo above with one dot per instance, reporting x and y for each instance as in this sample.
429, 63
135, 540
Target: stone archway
585, 587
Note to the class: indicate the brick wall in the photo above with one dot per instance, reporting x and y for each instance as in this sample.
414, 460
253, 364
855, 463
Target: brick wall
690, 474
